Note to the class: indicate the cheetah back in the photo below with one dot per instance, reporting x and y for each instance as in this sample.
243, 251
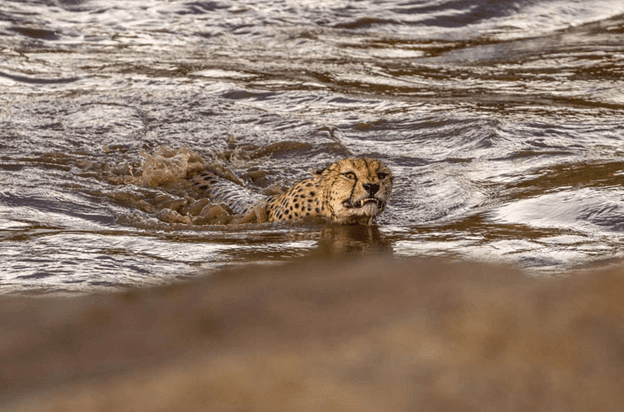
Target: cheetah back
303, 199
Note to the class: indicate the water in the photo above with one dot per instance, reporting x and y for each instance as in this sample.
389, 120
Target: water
502, 122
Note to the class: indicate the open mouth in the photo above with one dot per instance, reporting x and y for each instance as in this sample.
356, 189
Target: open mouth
363, 202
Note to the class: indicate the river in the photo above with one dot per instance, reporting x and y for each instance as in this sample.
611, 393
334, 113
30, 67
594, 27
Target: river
501, 121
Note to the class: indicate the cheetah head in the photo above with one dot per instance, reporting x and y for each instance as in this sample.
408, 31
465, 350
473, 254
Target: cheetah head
356, 190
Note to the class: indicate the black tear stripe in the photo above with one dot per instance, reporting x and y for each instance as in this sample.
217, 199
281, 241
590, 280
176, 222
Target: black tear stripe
352, 191
326, 200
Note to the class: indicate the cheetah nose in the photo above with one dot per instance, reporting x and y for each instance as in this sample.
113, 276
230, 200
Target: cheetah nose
371, 188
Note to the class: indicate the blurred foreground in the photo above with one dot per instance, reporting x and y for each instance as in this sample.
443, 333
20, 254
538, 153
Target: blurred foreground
369, 335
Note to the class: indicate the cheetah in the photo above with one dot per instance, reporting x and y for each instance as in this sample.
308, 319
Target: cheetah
351, 191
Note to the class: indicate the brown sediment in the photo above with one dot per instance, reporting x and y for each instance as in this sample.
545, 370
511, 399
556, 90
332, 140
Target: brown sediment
167, 167
169, 170
371, 334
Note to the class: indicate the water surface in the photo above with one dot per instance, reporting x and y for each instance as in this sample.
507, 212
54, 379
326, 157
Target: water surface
501, 122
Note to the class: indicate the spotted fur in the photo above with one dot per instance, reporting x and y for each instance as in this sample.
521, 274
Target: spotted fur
351, 190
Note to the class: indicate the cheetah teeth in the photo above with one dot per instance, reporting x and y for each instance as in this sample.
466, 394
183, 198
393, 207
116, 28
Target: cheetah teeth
363, 202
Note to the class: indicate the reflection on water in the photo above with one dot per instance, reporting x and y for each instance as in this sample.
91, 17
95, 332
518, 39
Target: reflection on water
352, 240
501, 122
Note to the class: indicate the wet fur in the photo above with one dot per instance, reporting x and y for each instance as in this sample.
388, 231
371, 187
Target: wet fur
337, 193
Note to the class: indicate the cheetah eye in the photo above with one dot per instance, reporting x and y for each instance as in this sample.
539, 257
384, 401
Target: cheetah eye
349, 175
382, 175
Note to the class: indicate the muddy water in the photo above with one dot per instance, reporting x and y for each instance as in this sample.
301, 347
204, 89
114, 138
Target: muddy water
501, 122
